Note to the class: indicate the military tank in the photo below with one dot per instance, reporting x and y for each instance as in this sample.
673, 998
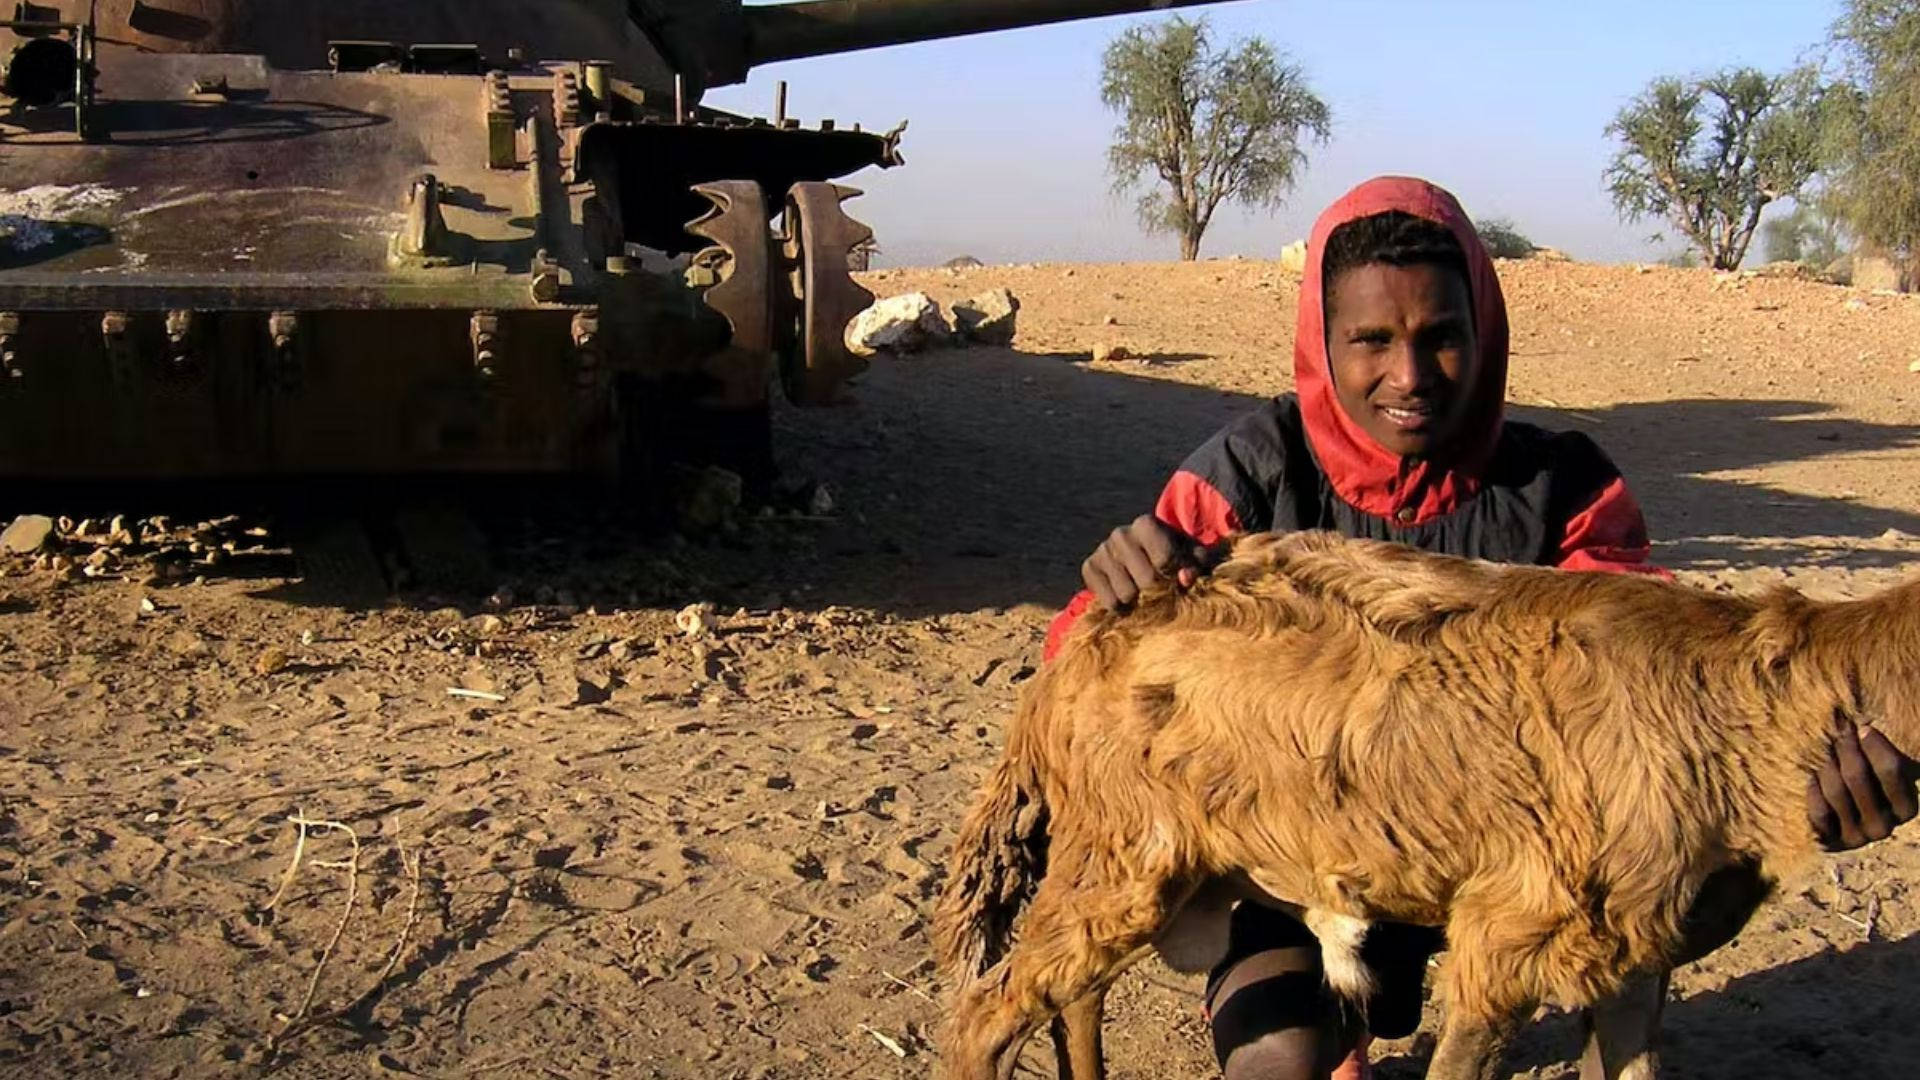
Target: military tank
275, 238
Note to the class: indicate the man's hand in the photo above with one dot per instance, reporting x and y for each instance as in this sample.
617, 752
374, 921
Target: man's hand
1863, 791
1138, 555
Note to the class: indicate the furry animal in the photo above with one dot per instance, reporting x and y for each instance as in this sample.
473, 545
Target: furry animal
1548, 764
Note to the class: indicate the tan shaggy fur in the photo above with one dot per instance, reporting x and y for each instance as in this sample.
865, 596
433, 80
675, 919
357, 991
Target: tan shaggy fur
1547, 764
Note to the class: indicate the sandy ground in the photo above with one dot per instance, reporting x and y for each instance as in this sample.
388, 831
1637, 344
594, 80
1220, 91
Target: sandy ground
648, 856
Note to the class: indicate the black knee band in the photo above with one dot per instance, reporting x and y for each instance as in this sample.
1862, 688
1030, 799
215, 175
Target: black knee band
1258, 1009
1398, 955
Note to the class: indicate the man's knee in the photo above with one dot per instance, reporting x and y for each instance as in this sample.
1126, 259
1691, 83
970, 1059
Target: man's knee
1293, 1054
1272, 1019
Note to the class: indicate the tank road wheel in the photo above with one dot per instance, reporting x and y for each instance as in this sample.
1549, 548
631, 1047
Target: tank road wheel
821, 297
739, 265
719, 414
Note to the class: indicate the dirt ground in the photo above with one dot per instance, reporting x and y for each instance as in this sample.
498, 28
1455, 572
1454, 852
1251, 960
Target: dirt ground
643, 855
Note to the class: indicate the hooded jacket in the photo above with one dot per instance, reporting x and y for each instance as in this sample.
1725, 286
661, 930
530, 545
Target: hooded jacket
1505, 492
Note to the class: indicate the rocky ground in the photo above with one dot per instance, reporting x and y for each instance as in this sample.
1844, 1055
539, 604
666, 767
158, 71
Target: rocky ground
551, 834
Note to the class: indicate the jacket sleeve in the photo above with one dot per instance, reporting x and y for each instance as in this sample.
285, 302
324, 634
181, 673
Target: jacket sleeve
1224, 487
1608, 533
1188, 503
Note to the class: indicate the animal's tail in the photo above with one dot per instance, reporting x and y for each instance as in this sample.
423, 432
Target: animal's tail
997, 862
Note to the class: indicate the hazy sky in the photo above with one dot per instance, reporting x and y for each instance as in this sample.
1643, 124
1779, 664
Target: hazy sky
1502, 101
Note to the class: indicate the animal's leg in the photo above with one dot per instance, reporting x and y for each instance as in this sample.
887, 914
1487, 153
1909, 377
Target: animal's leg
1076, 1038
1621, 1031
1485, 995
1471, 1046
1076, 939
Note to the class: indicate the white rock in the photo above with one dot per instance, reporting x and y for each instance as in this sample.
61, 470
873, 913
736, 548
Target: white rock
989, 318
1293, 257
901, 324
696, 620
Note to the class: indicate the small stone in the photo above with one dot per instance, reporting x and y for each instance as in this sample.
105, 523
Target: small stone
306, 637
27, 535
1106, 352
489, 625
271, 662
147, 606
1111, 320
696, 620
707, 499
821, 504
589, 690
1293, 257
1914, 366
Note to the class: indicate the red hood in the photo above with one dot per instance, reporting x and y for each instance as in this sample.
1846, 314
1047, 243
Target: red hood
1362, 472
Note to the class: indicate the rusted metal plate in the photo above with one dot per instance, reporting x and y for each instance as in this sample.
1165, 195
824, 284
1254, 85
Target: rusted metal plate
293, 173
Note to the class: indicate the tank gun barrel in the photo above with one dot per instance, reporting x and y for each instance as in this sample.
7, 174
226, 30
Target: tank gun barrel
715, 42
820, 27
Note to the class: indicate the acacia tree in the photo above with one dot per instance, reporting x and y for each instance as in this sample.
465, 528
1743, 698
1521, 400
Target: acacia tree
1873, 126
1707, 155
1212, 126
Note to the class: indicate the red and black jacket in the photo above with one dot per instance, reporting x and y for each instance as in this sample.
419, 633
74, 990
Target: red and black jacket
1511, 492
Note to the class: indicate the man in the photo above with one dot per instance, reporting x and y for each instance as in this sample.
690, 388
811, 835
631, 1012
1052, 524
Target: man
1394, 431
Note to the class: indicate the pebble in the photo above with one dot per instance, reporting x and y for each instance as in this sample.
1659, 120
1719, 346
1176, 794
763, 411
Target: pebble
271, 662
696, 620
1105, 351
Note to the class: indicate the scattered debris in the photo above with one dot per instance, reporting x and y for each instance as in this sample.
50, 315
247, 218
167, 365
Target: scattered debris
476, 695
898, 1050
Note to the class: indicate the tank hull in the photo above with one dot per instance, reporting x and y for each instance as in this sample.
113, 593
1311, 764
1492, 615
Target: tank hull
371, 237
251, 271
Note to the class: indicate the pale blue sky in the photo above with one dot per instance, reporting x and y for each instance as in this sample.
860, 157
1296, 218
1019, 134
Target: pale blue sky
1502, 101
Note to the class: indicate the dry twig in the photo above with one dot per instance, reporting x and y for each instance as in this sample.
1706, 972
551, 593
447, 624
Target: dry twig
294, 1022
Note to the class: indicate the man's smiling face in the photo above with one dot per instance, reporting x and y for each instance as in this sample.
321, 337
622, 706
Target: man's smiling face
1401, 344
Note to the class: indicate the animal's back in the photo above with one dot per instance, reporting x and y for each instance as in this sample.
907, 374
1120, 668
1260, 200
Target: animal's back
1382, 728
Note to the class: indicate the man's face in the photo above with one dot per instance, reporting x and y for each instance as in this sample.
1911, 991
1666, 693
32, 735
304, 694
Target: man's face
1403, 353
